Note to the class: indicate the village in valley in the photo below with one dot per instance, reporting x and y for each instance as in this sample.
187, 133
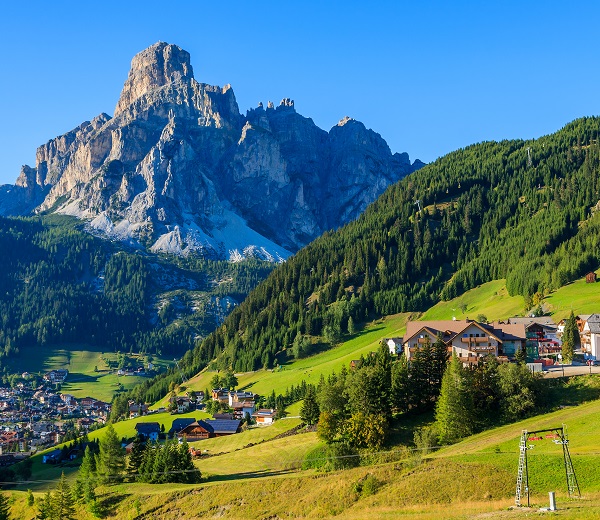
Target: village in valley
37, 416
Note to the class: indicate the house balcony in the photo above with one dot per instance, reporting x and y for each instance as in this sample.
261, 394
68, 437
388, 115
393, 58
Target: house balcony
484, 339
483, 348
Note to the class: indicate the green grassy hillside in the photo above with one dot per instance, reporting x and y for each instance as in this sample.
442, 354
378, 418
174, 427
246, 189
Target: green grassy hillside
490, 299
311, 368
251, 477
81, 361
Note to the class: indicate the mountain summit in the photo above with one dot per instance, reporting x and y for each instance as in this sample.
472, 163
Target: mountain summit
179, 169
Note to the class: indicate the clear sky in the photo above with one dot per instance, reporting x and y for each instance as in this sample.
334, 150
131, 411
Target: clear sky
429, 76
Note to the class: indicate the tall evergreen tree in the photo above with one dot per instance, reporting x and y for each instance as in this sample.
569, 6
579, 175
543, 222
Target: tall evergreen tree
310, 412
62, 499
84, 488
454, 411
4, 507
111, 458
192, 474
421, 376
570, 339
136, 456
46, 507
401, 387
439, 360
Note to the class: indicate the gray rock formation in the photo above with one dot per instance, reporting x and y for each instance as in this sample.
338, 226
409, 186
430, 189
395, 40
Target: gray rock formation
179, 169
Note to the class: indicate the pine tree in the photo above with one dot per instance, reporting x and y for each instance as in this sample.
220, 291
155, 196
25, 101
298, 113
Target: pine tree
145, 470
439, 361
136, 457
111, 459
454, 410
84, 488
4, 507
570, 339
401, 387
62, 500
309, 412
420, 373
521, 356
186, 463
46, 507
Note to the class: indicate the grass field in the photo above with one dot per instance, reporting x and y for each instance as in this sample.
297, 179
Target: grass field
472, 479
81, 362
579, 297
252, 476
490, 299
311, 368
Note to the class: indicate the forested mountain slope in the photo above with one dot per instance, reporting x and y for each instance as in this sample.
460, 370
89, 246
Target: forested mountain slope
60, 285
520, 210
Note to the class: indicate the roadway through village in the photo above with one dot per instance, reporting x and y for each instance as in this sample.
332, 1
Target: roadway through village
570, 370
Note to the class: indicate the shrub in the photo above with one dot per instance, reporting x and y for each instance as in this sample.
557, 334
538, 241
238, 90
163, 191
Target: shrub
367, 486
426, 439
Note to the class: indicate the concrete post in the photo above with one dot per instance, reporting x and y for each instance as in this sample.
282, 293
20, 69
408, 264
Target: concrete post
552, 501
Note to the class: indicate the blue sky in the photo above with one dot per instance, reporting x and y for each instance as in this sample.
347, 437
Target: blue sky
429, 76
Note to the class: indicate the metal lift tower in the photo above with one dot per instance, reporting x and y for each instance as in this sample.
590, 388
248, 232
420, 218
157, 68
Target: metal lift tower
558, 436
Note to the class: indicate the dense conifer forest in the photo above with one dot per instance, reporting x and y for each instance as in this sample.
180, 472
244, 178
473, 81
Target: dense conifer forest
60, 285
520, 210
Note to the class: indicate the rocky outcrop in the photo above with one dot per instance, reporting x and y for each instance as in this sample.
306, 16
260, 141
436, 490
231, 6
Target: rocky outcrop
179, 169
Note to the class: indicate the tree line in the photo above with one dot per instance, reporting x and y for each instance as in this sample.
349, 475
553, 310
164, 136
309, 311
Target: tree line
358, 408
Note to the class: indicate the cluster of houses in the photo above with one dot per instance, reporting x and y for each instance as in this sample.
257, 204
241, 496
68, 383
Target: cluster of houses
471, 340
241, 405
37, 418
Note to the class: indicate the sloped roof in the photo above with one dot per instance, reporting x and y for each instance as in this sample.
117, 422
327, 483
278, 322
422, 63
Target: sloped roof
594, 323
180, 424
146, 428
223, 425
200, 423
509, 331
449, 329
529, 320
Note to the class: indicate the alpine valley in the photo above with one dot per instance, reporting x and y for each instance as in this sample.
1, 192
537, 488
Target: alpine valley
197, 200
131, 230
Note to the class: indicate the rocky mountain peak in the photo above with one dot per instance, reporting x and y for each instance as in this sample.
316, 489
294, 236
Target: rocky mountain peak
180, 170
344, 120
154, 67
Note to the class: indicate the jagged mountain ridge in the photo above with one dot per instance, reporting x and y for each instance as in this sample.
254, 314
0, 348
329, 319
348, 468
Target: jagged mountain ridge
179, 169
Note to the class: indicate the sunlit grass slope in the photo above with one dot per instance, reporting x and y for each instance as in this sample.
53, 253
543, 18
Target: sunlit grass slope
311, 368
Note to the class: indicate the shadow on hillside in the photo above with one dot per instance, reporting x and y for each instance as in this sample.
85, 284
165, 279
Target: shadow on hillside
109, 504
78, 377
575, 390
250, 474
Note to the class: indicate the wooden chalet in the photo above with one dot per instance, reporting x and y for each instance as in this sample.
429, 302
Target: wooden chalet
264, 416
208, 429
180, 424
468, 339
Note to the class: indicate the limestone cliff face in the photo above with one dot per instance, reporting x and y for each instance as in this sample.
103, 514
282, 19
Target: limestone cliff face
179, 169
